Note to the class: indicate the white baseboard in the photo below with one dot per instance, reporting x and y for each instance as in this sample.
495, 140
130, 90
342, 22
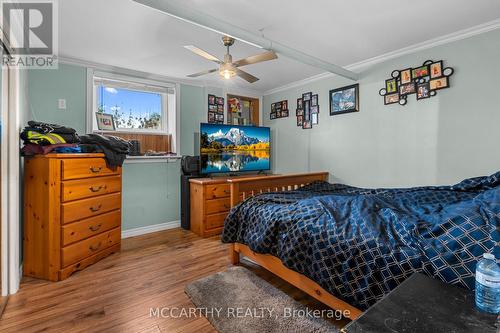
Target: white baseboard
150, 228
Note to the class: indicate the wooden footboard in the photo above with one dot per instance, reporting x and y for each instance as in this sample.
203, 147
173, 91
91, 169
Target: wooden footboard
243, 188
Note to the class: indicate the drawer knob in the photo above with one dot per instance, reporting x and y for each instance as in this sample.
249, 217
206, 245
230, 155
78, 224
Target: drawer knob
95, 209
95, 227
227, 191
95, 169
96, 188
95, 248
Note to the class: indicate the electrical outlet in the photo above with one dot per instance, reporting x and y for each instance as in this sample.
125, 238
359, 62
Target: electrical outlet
61, 104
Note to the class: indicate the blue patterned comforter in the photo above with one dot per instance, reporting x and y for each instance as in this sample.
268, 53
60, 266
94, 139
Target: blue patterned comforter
359, 244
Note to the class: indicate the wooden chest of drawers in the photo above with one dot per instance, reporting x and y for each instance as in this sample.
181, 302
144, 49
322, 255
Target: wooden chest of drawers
72, 213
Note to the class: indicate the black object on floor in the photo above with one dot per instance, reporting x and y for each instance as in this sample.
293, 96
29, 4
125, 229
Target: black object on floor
190, 166
423, 304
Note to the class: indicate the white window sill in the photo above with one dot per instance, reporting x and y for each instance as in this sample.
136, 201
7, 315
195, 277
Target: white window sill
152, 159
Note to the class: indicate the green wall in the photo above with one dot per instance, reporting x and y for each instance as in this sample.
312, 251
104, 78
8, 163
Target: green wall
439, 140
151, 190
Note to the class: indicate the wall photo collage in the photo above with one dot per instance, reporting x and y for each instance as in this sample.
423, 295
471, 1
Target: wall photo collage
279, 110
215, 109
307, 110
423, 81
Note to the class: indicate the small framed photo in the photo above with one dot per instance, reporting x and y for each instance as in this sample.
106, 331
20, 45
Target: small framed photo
391, 86
344, 100
220, 108
405, 76
300, 112
272, 115
284, 105
306, 124
407, 89
314, 119
211, 117
314, 100
219, 117
419, 72
436, 69
423, 90
220, 100
273, 107
315, 109
440, 83
105, 122
307, 96
278, 114
300, 120
211, 100
391, 98
284, 113
299, 103
212, 108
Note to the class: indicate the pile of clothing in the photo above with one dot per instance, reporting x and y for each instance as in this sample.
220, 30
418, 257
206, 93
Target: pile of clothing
44, 138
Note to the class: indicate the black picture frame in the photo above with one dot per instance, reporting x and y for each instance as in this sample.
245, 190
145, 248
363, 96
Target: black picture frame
314, 118
391, 95
355, 106
423, 91
396, 86
300, 121
306, 96
414, 76
439, 79
314, 100
401, 75
403, 86
440, 74
212, 99
299, 103
220, 101
306, 124
272, 115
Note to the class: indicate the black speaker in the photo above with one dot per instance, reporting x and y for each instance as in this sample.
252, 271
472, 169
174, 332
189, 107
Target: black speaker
189, 169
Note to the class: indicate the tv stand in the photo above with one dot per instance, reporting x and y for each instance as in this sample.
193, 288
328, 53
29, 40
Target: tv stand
210, 202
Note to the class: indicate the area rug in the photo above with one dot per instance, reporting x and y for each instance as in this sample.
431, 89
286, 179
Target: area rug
239, 301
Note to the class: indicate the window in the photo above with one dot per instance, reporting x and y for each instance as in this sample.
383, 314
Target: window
143, 109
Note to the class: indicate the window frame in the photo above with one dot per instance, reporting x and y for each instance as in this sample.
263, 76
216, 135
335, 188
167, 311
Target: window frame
168, 115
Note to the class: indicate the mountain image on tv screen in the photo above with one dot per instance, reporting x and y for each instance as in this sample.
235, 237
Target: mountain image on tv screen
228, 148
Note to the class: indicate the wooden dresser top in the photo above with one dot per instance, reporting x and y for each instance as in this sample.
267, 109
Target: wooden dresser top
222, 179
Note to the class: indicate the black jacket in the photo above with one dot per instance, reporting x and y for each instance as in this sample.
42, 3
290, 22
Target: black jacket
114, 148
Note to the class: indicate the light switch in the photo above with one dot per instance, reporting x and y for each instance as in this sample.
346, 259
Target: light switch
62, 104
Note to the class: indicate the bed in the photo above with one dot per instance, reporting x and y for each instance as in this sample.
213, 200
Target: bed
349, 246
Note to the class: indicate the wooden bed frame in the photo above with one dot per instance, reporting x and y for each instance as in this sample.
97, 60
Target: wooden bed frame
242, 188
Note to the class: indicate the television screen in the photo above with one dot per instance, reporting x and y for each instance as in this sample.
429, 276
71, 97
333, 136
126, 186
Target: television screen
232, 148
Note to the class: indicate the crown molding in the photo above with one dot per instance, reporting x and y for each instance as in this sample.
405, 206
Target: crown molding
445, 39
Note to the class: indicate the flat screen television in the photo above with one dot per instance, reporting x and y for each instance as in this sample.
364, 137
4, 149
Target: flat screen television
232, 148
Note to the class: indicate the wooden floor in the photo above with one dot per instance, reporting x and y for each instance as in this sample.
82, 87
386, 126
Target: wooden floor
116, 294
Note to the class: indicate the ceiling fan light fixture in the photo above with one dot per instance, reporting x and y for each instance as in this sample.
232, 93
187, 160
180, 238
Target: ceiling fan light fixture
227, 71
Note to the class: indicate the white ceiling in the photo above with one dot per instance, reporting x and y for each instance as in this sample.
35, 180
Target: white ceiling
126, 34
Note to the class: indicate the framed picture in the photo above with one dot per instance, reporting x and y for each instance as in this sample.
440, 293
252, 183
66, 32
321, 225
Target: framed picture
440, 83
299, 103
300, 120
314, 100
211, 117
300, 112
306, 96
419, 72
105, 122
406, 89
391, 86
405, 76
423, 90
391, 98
272, 115
220, 108
344, 100
315, 109
307, 110
284, 105
220, 100
284, 113
436, 69
219, 117
314, 119
306, 124
211, 100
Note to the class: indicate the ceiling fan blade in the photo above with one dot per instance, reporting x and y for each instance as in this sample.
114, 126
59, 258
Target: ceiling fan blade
203, 73
269, 55
244, 75
202, 53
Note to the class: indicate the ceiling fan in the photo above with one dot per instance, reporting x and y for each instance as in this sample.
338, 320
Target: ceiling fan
228, 68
